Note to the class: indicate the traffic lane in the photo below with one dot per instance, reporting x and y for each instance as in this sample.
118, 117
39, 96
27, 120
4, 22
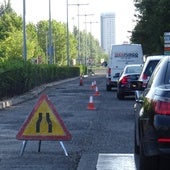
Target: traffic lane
113, 127
71, 102
117, 119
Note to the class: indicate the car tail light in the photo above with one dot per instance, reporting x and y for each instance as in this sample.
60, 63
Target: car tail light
124, 80
164, 140
162, 107
145, 79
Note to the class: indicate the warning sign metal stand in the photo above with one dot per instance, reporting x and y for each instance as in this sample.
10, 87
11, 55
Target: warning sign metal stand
43, 123
39, 147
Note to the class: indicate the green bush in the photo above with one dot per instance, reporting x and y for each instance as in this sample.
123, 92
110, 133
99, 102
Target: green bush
18, 76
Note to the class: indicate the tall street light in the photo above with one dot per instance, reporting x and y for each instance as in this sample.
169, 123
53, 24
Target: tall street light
50, 47
78, 5
24, 53
92, 22
68, 43
85, 15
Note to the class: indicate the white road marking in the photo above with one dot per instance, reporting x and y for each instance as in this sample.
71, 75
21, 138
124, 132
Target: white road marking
116, 162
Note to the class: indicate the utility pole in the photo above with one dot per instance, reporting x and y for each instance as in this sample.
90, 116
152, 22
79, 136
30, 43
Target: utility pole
85, 15
24, 53
68, 43
78, 5
91, 22
50, 47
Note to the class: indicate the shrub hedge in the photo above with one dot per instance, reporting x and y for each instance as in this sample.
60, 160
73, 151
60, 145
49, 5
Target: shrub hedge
19, 77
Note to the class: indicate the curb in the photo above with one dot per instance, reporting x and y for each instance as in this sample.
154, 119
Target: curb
31, 94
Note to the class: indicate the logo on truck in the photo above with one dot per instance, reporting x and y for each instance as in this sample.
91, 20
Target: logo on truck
126, 55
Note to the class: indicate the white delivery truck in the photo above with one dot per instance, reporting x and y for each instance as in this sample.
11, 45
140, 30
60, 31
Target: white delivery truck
120, 56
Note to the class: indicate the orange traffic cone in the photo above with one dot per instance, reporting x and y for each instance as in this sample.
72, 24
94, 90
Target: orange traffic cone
96, 92
81, 81
91, 104
92, 85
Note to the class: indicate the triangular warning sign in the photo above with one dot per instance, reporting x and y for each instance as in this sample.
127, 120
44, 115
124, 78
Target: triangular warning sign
43, 123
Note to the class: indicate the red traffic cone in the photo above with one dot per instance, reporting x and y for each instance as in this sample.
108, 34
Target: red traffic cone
91, 104
96, 92
81, 81
92, 85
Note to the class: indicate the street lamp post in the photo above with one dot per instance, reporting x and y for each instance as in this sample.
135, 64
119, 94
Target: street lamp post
78, 5
92, 22
85, 15
50, 48
68, 43
24, 54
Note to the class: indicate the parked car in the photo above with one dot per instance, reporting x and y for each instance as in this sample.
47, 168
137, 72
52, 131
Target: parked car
152, 117
148, 68
130, 73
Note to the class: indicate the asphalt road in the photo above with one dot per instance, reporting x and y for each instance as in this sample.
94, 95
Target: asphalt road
108, 129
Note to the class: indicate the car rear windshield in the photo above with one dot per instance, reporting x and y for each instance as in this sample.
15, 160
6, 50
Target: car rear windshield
151, 66
134, 77
133, 69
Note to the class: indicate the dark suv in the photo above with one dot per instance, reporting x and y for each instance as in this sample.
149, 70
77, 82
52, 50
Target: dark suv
152, 117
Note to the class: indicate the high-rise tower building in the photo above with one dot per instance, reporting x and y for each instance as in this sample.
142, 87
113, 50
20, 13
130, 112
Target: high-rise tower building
107, 21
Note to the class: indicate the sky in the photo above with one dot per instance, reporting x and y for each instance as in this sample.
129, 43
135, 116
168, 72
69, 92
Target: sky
37, 10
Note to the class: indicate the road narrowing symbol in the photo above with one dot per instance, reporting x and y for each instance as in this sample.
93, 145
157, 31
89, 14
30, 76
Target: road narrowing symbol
43, 123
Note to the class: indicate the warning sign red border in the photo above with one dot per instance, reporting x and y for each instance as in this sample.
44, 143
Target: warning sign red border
65, 136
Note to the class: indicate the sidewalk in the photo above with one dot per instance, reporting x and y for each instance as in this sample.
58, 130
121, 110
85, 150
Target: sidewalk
31, 94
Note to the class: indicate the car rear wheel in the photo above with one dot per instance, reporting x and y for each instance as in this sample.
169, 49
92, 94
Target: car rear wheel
148, 162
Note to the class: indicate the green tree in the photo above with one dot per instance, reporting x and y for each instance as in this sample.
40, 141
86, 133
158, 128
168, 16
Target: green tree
58, 41
12, 45
34, 50
153, 18
9, 22
89, 48
10, 33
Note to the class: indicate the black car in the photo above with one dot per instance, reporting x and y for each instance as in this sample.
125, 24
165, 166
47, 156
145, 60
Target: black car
130, 73
152, 117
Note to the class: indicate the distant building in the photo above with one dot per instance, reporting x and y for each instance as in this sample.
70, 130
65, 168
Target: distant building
107, 21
